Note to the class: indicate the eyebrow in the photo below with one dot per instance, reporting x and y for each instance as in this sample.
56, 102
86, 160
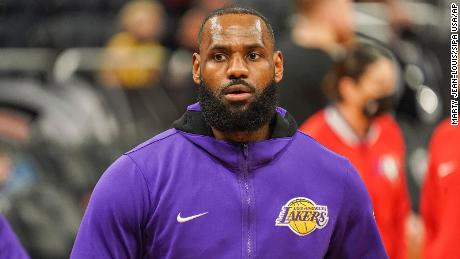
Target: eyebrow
225, 47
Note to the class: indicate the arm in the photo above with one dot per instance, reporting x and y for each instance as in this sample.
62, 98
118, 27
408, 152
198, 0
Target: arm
116, 213
356, 234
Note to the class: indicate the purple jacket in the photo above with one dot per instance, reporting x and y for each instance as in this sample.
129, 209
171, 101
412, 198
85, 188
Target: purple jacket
184, 194
10, 248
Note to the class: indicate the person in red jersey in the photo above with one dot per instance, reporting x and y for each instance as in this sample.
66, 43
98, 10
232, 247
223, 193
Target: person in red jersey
441, 194
357, 126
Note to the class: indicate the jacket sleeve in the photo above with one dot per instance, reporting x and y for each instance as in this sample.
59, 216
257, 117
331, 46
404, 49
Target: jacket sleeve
116, 213
9, 244
356, 234
429, 208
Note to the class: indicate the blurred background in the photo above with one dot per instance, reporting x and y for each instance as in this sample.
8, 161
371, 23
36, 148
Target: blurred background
83, 81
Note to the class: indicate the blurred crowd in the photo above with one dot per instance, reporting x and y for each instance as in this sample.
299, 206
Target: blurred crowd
83, 81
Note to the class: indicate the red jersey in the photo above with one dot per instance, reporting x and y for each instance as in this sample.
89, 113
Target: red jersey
440, 198
379, 159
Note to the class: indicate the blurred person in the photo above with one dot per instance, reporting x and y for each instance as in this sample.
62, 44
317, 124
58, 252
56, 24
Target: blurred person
441, 194
17, 173
34, 195
180, 86
358, 126
321, 30
278, 12
398, 16
135, 55
16, 170
176, 9
189, 26
10, 247
133, 64
233, 178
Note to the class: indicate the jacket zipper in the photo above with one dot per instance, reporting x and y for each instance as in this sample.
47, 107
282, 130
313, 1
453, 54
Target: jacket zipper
248, 204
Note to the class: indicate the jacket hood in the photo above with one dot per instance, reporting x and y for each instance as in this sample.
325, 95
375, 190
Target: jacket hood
193, 127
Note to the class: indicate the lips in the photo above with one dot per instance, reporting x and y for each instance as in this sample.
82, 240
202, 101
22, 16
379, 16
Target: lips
236, 89
237, 93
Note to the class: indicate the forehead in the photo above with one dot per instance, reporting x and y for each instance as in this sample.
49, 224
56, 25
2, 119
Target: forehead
382, 67
382, 71
235, 29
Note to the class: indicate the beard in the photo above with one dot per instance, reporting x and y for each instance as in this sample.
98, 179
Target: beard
238, 117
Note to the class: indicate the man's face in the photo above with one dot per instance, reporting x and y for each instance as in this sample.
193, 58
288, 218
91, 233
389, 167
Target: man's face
237, 69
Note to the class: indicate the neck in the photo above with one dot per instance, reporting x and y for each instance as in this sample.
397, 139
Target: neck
244, 136
355, 118
312, 33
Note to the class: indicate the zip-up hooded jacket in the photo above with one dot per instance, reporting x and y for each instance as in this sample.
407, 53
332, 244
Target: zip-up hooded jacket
184, 194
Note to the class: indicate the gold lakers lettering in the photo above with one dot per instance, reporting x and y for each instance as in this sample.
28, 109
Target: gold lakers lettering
302, 216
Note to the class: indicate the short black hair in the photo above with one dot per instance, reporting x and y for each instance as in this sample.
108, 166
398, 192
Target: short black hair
236, 9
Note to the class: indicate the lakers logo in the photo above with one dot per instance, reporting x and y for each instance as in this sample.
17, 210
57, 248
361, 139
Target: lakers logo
302, 216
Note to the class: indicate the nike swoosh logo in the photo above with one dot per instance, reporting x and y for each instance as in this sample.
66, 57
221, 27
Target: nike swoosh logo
446, 169
182, 220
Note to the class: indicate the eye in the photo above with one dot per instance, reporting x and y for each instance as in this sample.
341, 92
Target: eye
219, 57
253, 56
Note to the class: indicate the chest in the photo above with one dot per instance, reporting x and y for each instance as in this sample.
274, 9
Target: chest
211, 211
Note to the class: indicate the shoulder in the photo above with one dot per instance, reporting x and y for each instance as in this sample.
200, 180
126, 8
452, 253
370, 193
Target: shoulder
445, 137
390, 128
133, 162
152, 155
335, 165
310, 142
323, 157
131, 174
121, 39
162, 139
389, 124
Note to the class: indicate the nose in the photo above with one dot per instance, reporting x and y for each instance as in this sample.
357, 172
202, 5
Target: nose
237, 68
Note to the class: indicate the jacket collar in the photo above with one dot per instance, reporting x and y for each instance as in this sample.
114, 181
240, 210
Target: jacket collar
193, 127
343, 130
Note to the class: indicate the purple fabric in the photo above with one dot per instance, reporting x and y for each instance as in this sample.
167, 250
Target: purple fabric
134, 207
281, 111
194, 107
10, 246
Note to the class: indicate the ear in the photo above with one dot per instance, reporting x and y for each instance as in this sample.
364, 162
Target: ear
347, 88
279, 65
196, 73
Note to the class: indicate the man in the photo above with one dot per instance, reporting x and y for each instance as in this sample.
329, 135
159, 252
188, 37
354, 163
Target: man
134, 55
441, 194
234, 178
321, 30
358, 127
9, 244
